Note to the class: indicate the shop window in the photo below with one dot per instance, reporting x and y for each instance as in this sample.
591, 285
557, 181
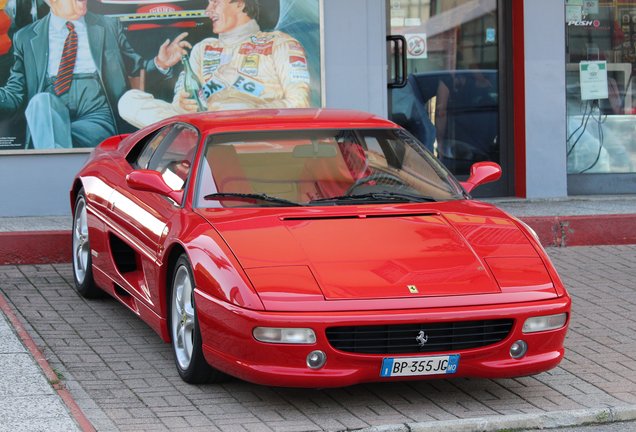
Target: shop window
600, 86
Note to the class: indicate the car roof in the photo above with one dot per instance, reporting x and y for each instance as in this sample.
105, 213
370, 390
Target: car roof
284, 119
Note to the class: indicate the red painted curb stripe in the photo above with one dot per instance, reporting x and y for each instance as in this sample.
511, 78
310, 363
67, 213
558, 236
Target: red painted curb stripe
50, 374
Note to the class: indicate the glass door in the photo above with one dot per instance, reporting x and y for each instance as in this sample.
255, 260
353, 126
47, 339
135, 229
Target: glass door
450, 99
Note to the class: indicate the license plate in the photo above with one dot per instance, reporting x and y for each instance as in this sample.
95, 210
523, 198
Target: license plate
415, 366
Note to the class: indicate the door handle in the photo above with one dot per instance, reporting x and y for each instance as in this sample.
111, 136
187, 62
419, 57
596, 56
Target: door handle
398, 54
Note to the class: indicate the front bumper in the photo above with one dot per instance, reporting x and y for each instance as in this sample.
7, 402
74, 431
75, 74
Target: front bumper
229, 346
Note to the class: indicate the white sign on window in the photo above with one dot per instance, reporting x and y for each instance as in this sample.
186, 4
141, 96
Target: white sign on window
590, 7
593, 76
573, 13
416, 46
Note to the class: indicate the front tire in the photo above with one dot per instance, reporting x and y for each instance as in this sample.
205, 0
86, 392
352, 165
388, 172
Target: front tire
184, 328
82, 260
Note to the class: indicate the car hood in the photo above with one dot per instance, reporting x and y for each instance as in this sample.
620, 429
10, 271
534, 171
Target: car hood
370, 253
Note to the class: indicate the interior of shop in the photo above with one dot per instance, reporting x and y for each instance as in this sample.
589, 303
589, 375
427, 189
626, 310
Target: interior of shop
601, 89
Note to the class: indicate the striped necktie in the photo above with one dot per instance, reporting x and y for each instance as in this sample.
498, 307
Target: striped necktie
67, 64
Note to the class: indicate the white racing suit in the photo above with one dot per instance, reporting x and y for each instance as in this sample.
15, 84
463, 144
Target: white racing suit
242, 69
247, 68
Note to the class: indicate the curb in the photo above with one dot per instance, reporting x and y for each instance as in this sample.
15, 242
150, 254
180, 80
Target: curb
592, 230
555, 419
46, 247
75, 411
35, 247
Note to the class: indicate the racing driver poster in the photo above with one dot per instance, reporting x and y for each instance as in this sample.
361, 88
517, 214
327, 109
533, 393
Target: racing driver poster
75, 72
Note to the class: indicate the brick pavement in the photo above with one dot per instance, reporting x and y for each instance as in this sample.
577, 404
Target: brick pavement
123, 377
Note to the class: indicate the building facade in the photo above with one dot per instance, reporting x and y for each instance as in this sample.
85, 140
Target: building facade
545, 88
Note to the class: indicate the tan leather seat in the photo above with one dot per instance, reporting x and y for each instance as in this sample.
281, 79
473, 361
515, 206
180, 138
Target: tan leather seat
227, 172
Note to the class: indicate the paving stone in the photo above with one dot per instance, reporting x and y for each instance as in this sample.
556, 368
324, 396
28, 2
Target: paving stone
124, 378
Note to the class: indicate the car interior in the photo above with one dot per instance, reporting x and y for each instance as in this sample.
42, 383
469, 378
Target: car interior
302, 170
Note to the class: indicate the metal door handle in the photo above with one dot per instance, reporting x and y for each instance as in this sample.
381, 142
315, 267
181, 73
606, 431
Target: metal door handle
398, 53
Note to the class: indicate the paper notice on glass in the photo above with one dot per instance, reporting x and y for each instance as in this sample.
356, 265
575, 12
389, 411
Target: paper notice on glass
573, 13
593, 76
590, 7
416, 44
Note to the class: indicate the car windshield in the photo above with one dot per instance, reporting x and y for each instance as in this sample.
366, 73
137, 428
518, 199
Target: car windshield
319, 167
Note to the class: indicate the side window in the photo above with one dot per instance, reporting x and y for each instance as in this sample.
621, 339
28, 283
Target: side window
140, 155
174, 155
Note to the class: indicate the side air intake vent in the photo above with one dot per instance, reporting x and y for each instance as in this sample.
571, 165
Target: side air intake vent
124, 256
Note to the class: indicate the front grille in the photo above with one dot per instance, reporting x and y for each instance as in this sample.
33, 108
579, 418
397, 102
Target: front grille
402, 339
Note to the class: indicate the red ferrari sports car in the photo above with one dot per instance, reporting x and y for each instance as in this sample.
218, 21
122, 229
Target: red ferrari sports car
312, 248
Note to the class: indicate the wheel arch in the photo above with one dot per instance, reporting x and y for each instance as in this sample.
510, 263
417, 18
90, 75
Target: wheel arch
77, 186
198, 370
214, 271
173, 252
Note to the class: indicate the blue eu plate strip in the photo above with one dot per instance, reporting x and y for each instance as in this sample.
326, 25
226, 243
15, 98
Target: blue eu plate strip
453, 362
387, 366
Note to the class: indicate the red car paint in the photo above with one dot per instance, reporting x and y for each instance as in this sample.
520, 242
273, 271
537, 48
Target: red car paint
319, 266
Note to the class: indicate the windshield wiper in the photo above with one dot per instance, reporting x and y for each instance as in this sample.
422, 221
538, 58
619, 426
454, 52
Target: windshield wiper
220, 196
376, 196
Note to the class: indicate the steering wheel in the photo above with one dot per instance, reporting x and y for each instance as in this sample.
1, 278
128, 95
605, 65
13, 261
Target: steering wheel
382, 177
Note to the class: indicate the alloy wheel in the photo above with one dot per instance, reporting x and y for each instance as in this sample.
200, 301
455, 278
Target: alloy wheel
183, 316
81, 248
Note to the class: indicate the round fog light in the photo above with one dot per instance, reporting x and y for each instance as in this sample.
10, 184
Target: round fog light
316, 359
518, 349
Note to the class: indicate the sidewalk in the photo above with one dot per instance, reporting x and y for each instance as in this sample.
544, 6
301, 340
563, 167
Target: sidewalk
29, 401
572, 221
123, 377
578, 220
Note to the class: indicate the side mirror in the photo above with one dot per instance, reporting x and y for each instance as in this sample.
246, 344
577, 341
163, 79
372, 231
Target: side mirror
482, 173
152, 181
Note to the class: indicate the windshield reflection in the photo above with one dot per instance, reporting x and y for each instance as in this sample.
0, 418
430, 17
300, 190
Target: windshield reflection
312, 167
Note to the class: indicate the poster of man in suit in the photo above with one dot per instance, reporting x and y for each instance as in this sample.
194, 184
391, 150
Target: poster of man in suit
80, 71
